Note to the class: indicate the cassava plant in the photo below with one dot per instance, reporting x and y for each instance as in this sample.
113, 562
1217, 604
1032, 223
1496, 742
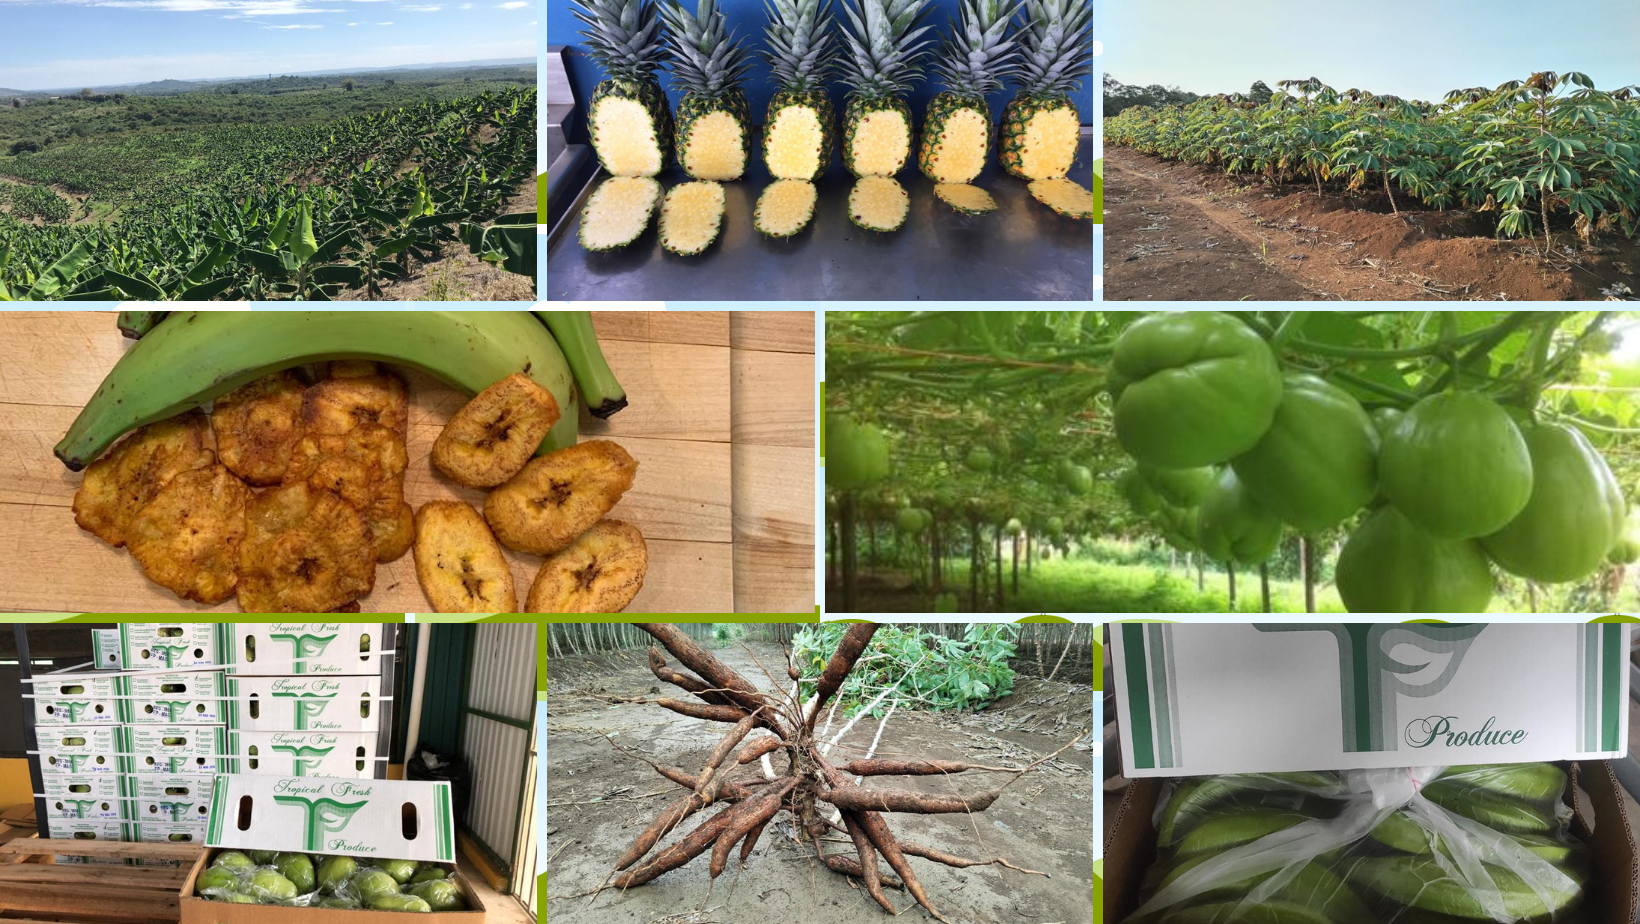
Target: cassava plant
818, 792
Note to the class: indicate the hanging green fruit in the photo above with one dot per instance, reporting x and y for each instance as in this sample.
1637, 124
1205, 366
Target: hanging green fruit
1181, 487
1575, 514
1233, 527
1140, 495
856, 454
1456, 465
1079, 479
1192, 388
1389, 565
979, 459
1317, 464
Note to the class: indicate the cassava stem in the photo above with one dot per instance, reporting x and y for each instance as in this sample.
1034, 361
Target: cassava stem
848, 651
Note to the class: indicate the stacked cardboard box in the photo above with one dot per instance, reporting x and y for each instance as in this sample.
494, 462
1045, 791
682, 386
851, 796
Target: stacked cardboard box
175, 737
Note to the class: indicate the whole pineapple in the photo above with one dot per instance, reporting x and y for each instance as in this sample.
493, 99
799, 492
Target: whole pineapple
879, 68
801, 125
1040, 128
628, 120
956, 135
713, 134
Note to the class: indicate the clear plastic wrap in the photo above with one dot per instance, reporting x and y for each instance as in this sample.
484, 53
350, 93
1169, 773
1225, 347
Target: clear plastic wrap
296, 880
1422, 845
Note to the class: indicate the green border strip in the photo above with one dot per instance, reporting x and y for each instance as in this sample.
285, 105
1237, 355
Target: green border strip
1611, 680
1133, 654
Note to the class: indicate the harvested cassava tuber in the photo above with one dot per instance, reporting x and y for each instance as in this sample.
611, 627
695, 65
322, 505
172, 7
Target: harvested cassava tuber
809, 780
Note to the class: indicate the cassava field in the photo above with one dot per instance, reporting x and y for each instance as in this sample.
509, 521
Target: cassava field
286, 188
1525, 191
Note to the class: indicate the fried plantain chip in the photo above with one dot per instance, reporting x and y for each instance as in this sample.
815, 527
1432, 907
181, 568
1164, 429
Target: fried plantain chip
493, 435
599, 573
116, 486
392, 525
459, 564
305, 551
187, 538
257, 424
559, 495
339, 406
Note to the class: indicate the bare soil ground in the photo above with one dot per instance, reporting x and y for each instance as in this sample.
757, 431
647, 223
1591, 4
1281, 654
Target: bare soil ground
600, 799
1182, 232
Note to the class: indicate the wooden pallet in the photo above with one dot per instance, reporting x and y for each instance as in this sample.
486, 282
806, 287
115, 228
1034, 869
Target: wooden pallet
33, 888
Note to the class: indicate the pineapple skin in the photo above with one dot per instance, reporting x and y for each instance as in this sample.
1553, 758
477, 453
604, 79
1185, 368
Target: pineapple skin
858, 108
692, 108
941, 108
647, 93
820, 102
1016, 116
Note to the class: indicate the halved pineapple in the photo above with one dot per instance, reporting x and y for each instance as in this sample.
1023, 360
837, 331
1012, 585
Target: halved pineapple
691, 216
1064, 196
618, 212
878, 203
969, 200
785, 207
793, 143
1039, 138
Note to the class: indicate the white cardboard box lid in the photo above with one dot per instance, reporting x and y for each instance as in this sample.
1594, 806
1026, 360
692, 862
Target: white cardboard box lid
359, 818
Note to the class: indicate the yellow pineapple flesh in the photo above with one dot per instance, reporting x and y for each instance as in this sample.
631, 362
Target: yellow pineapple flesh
624, 136
1066, 197
715, 150
878, 203
881, 143
969, 200
691, 216
785, 207
618, 212
959, 154
1051, 138
793, 151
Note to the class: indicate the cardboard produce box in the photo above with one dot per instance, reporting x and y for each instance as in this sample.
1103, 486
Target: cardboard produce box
293, 648
69, 699
174, 749
365, 819
1600, 821
162, 831
86, 829
169, 787
83, 796
105, 645
80, 749
347, 755
305, 702
151, 645
173, 699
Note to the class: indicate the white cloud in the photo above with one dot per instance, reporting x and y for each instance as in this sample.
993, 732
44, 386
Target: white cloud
512, 5
293, 27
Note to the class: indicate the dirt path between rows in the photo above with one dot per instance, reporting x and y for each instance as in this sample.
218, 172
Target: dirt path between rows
1180, 232
600, 799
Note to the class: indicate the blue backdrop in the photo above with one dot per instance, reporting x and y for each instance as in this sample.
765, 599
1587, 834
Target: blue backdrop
746, 21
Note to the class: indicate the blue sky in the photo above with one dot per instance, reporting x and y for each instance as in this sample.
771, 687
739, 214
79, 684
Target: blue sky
97, 42
1418, 49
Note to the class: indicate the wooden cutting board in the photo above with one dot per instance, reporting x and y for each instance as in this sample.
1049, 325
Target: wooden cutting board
679, 369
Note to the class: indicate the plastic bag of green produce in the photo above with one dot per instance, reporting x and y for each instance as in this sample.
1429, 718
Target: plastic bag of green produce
1454, 845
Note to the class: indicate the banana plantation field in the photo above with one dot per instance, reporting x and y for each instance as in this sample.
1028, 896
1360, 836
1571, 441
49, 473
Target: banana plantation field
1199, 461
284, 200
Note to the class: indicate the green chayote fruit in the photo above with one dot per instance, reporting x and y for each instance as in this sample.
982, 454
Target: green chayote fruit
371, 883
440, 895
298, 869
400, 903
336, 901
270, 884
240, 898
334, 871
264, 857
400, 870
217, 877
233, 860
429, 874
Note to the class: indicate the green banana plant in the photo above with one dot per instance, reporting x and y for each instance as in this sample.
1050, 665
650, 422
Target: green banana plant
296, 263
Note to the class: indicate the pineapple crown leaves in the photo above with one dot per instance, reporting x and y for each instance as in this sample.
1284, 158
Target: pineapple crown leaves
1057, 45
706, 59
883, 57
801, 52
980, 53
625, 35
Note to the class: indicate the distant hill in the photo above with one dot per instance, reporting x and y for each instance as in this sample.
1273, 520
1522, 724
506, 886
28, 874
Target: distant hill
171, 87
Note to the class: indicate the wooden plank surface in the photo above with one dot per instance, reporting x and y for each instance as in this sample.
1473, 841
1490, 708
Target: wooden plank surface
774, 487
675, 366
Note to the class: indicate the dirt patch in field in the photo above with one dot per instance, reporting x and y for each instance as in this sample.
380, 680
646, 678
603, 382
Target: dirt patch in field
600, 799
1177, 231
